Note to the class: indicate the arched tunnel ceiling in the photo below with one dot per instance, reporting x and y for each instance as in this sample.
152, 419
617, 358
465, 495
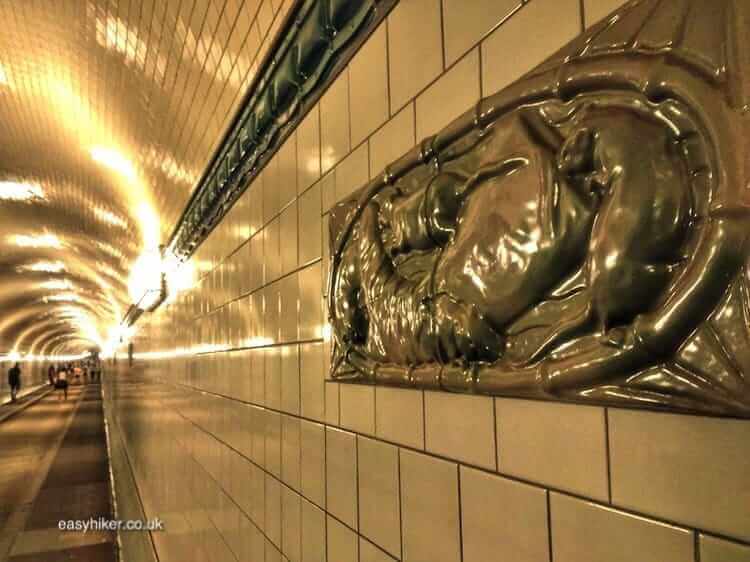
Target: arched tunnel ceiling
109, 112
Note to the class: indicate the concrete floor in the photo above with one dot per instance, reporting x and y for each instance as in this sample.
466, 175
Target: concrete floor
53, 467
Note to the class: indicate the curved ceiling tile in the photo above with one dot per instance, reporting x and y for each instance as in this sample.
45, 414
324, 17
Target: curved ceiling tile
111, 111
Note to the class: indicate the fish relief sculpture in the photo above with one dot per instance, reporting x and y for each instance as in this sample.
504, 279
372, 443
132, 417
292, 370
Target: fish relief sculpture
581, 235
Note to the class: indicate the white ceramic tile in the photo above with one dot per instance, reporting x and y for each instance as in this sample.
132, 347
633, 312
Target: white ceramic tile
541, 26
594, 10
341, 476
313, 461
291, 525
399, 416
502, 519
333, 400
308, 150
687, 469
342, 542
311, 303
466, 23
612, 535
429, 509
273, 443
313, 533
273, 509
358, 408
368, 86
713, 549
558, 445
461, 427
353, 172
451, 95
368, 552
334, 122
312, 381
290, 451
379, 503
310, 225
290, 379
416, 48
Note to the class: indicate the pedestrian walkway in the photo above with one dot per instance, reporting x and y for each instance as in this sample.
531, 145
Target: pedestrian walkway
54, 467
26, 398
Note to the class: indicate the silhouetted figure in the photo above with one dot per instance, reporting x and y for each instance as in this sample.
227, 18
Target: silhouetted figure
14, 381
61, 383
51, 375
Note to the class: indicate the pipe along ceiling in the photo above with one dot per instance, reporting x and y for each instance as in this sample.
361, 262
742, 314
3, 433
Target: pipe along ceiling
109, 112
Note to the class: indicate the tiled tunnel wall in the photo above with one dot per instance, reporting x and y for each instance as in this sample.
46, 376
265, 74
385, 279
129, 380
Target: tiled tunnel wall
246, 450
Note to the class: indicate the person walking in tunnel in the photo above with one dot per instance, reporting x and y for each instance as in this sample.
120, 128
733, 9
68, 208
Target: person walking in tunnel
51, 372
61, 383
14, 381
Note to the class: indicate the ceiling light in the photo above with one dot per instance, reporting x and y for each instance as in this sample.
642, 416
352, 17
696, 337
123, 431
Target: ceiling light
62, 297
19, 191
58, 284
110, 218
39, 241
145, 275
45, 266
115, 160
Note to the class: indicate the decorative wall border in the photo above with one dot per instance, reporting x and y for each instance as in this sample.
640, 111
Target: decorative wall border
315, 43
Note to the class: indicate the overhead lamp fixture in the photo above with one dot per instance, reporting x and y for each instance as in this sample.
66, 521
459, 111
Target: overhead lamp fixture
109, 217
114, 160
20, 191
58, 284
153, 298
62, 297
45, 267
39, 241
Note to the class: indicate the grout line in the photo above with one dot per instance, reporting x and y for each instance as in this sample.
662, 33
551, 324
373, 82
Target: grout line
325, 486
357, 437
387, 71
348, 104
608, 454
549, 526
460, 515
495, 435
583, 15
400, 505
443, 44
481, 72
424, 420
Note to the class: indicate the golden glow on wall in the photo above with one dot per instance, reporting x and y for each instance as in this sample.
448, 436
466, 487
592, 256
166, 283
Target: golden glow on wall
109, 118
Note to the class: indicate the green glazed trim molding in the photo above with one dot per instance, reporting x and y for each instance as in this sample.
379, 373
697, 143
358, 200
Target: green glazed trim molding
582, 235
317, 40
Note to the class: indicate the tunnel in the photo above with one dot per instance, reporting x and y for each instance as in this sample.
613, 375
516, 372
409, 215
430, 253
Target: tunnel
375, 280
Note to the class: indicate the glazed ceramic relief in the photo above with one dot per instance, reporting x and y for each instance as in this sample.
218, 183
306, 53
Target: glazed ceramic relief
581, 235
315, 42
